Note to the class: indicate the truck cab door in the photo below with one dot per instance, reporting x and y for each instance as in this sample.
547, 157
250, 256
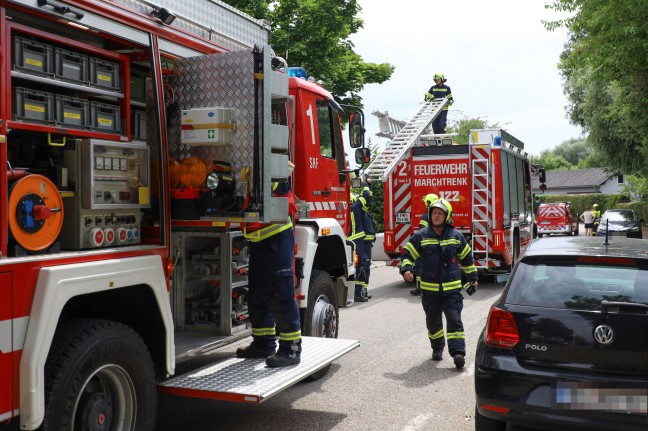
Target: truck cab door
325, 189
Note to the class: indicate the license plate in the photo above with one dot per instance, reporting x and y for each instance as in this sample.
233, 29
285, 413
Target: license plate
403, 218
596, 396
545, 222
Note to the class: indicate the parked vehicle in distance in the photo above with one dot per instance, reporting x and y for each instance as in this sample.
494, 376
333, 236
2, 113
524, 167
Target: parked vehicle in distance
565, 346
557, 218
620, 223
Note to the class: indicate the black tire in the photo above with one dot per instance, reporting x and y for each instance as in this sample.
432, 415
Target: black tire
322, 315
482, 423
99, 376
540, 235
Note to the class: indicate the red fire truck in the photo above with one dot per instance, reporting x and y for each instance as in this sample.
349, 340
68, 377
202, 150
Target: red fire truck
137, 144
488, 183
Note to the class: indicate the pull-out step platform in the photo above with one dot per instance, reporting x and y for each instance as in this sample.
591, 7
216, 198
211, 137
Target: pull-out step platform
250, 380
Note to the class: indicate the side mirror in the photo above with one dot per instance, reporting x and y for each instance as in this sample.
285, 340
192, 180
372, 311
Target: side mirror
542, 177
502, 279
362, 156
356, 129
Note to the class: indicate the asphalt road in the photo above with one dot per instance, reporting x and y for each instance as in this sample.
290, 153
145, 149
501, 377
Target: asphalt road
388, 383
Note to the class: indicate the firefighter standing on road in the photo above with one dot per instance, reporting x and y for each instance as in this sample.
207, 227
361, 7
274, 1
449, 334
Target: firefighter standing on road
428, 200
441, 248
271, 297
357, 235
440, 91
370, 235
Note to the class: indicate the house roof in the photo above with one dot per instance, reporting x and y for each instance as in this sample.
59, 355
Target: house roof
591, 177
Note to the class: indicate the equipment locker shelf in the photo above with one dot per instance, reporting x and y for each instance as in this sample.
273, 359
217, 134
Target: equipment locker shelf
20, 76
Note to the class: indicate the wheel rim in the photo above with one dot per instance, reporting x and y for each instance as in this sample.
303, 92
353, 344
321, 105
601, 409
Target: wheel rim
324, 321
106, 401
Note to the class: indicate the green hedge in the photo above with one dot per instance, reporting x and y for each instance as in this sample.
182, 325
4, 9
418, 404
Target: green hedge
581, 202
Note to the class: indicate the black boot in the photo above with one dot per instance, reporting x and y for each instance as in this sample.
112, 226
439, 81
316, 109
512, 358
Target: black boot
437, 355
366, 294
278, 360
459, 360
253, 351
360, 298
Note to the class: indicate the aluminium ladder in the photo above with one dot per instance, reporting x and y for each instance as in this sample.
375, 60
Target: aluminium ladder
481, 206
386, 161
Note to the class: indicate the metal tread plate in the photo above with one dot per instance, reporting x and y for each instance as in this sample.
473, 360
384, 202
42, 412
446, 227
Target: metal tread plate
250, 380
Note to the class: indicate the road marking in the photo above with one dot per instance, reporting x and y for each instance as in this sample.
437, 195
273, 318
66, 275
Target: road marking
418, 422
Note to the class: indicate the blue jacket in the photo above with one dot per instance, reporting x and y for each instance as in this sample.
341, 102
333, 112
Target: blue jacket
442, 91
439, 256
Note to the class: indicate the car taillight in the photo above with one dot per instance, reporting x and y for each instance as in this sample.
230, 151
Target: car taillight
501, 330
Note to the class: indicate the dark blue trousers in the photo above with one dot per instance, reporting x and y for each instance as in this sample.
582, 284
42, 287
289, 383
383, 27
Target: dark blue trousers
363, 249
437, 303
271, 297
439, 123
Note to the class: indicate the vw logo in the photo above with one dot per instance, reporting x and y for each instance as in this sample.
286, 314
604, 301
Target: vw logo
604, 334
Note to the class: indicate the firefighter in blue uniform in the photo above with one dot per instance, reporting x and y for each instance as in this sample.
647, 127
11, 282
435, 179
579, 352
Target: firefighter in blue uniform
441, 248
370, 236
357, 234
271, 297
428, 200
440, 91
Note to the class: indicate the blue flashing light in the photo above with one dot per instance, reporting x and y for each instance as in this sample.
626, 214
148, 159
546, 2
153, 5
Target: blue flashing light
497, 141
297, 72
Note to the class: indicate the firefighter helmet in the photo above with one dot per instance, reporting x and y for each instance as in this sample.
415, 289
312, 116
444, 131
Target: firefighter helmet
595, 205
444, 205
440, 76
429, 199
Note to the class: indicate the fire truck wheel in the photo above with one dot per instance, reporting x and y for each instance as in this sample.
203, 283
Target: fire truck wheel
99, 376
322, 315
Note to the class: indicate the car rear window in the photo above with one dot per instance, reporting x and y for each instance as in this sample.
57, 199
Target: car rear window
551, 211
576, 285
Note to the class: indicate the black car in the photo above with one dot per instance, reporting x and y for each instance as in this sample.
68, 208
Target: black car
620, 223
566, 345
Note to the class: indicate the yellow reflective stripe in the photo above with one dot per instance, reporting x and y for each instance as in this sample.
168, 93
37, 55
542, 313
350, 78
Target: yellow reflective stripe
356, 236
451, 285
370, 237
290, 336
429, 242
267, 231
429, 286
469, 269
450, 241
464, 252
438, 334
424, 223
274, 186
260, 332
360, 283
456, 336
412, 250
407, 262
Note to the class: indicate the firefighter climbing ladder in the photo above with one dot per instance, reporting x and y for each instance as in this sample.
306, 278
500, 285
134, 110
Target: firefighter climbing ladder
480, 201
387, 160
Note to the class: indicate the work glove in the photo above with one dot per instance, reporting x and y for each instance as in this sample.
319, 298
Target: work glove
429, 97
470, 287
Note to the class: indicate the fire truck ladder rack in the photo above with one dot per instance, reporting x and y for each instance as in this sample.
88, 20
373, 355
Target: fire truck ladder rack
480, 206
250, 380
386, 161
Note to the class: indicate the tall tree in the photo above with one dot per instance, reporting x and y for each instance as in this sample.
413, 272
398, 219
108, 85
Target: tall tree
606, 77
314, 34
463, 127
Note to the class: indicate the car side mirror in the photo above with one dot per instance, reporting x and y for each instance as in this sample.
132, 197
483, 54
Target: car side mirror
356, 129
502, 279
362, 156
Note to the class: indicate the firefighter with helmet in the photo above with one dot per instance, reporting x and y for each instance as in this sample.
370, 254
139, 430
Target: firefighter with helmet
440, 91
271, 296
597, 217
357, 234
428, 200
441, 248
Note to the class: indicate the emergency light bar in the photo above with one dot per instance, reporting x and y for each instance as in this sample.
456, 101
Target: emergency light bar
297, 72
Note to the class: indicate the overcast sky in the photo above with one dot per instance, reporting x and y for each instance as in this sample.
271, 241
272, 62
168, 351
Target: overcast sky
498, 59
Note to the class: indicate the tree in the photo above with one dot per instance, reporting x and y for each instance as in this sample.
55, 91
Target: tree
551, 161
314, 34
606, 77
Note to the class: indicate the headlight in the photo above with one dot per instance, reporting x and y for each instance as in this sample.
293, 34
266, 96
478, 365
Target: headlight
635, 229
